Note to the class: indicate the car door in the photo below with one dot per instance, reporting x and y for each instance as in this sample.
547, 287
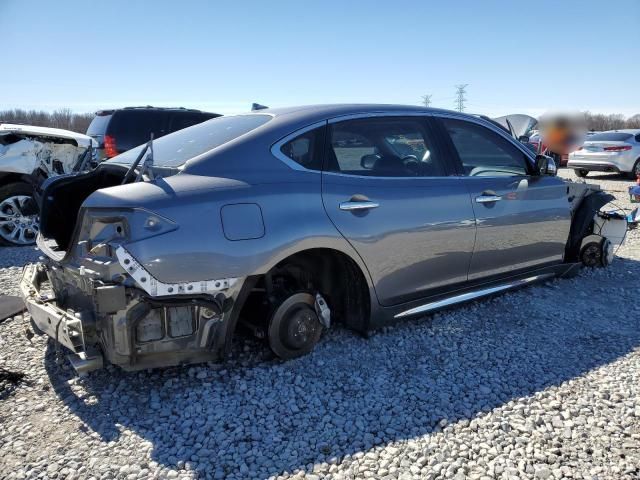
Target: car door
386, 186
523, 219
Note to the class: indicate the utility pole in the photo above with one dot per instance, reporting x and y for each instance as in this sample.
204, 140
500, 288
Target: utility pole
426, 100
460, 99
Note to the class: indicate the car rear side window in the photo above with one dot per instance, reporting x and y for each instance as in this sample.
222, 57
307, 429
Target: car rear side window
306, 149
180, 120
383, 147
483, 152
98, 125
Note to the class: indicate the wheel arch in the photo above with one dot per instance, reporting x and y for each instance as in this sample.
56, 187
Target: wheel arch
351, 302
7, 178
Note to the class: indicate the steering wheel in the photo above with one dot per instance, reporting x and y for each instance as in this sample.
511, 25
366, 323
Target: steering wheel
411, 165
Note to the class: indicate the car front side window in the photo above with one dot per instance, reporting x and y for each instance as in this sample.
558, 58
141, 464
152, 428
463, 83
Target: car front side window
483, 152
383, 147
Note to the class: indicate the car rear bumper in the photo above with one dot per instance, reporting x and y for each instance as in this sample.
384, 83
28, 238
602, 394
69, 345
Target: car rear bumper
594, 166
60, 325
125, 326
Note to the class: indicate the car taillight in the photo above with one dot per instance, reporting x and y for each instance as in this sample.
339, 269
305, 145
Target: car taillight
621, 148
110, 146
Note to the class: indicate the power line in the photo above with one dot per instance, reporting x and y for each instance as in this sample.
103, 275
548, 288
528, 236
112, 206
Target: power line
426, 100
460, 96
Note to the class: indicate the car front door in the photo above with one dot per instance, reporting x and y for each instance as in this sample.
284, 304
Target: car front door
522, 218
388, 189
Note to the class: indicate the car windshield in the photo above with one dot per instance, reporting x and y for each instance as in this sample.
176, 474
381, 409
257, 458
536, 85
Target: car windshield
175, 149
609, 137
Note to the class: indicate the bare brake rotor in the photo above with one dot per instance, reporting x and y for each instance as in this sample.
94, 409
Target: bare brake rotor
294, 328
16, 227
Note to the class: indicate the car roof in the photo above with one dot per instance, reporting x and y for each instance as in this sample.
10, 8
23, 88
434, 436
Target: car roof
292, 118
111, 111
288, 120
334, 110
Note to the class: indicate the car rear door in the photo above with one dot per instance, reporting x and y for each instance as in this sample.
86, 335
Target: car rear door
387, 187
523, 219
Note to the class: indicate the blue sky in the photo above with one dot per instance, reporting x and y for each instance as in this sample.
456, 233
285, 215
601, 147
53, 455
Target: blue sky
221, 56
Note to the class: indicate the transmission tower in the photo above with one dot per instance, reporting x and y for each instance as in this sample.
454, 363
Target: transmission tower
426, 100
460, 96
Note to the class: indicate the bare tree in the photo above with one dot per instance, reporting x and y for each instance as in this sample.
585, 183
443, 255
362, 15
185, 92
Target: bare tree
61, 118
614, 121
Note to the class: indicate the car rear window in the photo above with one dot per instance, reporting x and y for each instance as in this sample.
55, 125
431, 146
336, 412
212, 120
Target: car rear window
98, 125
175, 149
182, 120
130, 128
609, 137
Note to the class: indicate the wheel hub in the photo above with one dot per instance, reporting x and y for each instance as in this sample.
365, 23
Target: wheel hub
300, 326
15, 227
294, 327
592, 255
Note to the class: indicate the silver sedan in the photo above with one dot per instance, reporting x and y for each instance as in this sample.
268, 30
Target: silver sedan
613, 151
284, 222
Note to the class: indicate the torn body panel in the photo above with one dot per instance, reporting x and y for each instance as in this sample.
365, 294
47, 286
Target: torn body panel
25, 149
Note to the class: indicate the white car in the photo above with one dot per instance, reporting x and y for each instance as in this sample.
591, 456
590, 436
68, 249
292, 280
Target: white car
613, 151
28, 156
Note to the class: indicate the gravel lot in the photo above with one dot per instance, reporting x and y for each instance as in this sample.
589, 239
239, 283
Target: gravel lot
542, 383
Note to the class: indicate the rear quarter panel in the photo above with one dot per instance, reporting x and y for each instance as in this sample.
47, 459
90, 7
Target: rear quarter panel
292, 213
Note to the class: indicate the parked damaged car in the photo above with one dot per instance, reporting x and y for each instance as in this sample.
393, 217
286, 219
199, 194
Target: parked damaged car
284, 222
28, 156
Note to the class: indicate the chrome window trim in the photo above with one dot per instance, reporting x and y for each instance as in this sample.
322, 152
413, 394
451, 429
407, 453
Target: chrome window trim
276, 152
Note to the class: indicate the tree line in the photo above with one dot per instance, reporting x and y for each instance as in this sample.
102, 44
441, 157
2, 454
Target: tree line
615, 121
62, 118
78, 122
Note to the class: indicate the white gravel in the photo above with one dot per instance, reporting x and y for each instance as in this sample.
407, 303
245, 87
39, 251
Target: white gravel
542, 383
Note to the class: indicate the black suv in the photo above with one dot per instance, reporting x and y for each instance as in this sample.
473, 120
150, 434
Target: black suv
123, 129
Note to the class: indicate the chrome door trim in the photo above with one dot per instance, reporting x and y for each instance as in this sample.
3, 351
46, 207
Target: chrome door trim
427, 307
358, 205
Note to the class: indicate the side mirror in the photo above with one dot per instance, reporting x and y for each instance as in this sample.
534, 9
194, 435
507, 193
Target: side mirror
523, 138
545, 165
368, 161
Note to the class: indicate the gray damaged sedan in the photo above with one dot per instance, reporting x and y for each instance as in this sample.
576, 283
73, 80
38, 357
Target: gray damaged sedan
284, 222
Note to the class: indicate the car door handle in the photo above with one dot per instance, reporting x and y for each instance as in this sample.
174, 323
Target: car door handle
488, 198
358, 205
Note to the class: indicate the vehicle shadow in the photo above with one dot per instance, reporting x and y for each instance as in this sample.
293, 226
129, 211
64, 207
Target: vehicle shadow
256, 416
